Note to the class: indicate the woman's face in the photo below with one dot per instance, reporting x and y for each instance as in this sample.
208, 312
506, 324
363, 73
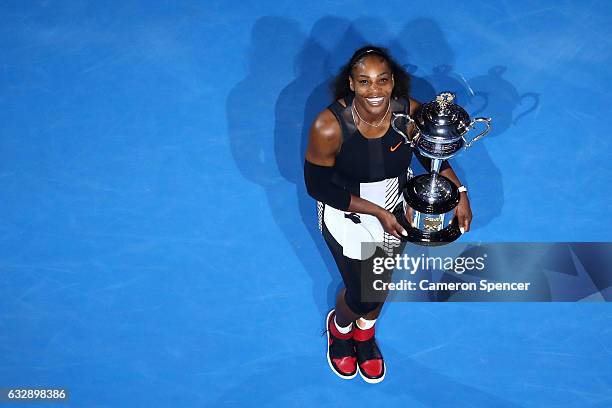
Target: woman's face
372, 82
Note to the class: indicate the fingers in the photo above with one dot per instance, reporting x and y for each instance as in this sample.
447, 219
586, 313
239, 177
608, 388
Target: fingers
397, 230
464, 216
464, 223
461, 223
396, 235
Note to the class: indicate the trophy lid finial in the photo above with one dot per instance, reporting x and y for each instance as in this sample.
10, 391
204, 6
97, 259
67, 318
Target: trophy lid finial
443, 100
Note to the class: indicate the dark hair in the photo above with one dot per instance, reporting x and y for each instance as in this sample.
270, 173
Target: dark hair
340, 85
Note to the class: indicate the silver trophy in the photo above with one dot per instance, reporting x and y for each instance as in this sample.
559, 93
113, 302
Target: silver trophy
440, 129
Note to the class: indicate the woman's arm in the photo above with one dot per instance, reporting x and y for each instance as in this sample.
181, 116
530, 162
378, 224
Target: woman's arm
324, 143
463, 211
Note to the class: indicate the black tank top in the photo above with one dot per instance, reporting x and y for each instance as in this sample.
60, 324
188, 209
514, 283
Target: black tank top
364, 160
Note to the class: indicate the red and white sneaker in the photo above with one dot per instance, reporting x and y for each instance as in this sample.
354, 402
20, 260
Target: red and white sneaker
370, 360
340, 350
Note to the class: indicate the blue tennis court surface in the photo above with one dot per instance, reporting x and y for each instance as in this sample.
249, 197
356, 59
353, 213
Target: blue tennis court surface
157, 245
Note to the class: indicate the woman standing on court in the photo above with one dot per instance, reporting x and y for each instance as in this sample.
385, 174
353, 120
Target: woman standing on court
356, 167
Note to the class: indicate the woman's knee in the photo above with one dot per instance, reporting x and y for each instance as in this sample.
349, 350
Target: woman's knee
357, 306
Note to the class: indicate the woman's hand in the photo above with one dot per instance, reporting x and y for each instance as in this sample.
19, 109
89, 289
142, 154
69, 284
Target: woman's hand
463, 212
390, 224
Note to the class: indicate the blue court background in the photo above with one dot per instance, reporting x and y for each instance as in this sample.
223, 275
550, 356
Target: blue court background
157, 247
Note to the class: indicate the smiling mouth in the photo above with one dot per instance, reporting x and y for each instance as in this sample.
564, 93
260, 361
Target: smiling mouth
375, 101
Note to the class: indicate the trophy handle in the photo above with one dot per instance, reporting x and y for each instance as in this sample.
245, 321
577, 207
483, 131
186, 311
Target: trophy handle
482, 134
410, 120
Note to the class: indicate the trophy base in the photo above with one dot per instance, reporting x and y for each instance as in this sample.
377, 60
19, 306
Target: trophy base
434, 238
443, 194
428, 238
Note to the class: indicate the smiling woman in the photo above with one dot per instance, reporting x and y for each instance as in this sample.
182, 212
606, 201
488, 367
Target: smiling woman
356, 167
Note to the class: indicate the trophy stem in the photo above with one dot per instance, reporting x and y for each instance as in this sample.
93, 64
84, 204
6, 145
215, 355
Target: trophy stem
433, 183
435, 165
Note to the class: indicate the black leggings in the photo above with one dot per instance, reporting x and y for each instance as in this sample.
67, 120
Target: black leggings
358, 276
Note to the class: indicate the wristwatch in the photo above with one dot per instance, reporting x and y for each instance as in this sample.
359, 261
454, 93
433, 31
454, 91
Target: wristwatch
462, 189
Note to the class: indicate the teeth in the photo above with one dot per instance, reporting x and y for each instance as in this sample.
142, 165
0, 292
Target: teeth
375, 100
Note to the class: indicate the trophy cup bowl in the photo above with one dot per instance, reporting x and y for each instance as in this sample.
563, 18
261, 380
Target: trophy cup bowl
440, 129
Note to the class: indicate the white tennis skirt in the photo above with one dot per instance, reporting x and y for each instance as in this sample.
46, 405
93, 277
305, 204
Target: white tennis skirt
360, 234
